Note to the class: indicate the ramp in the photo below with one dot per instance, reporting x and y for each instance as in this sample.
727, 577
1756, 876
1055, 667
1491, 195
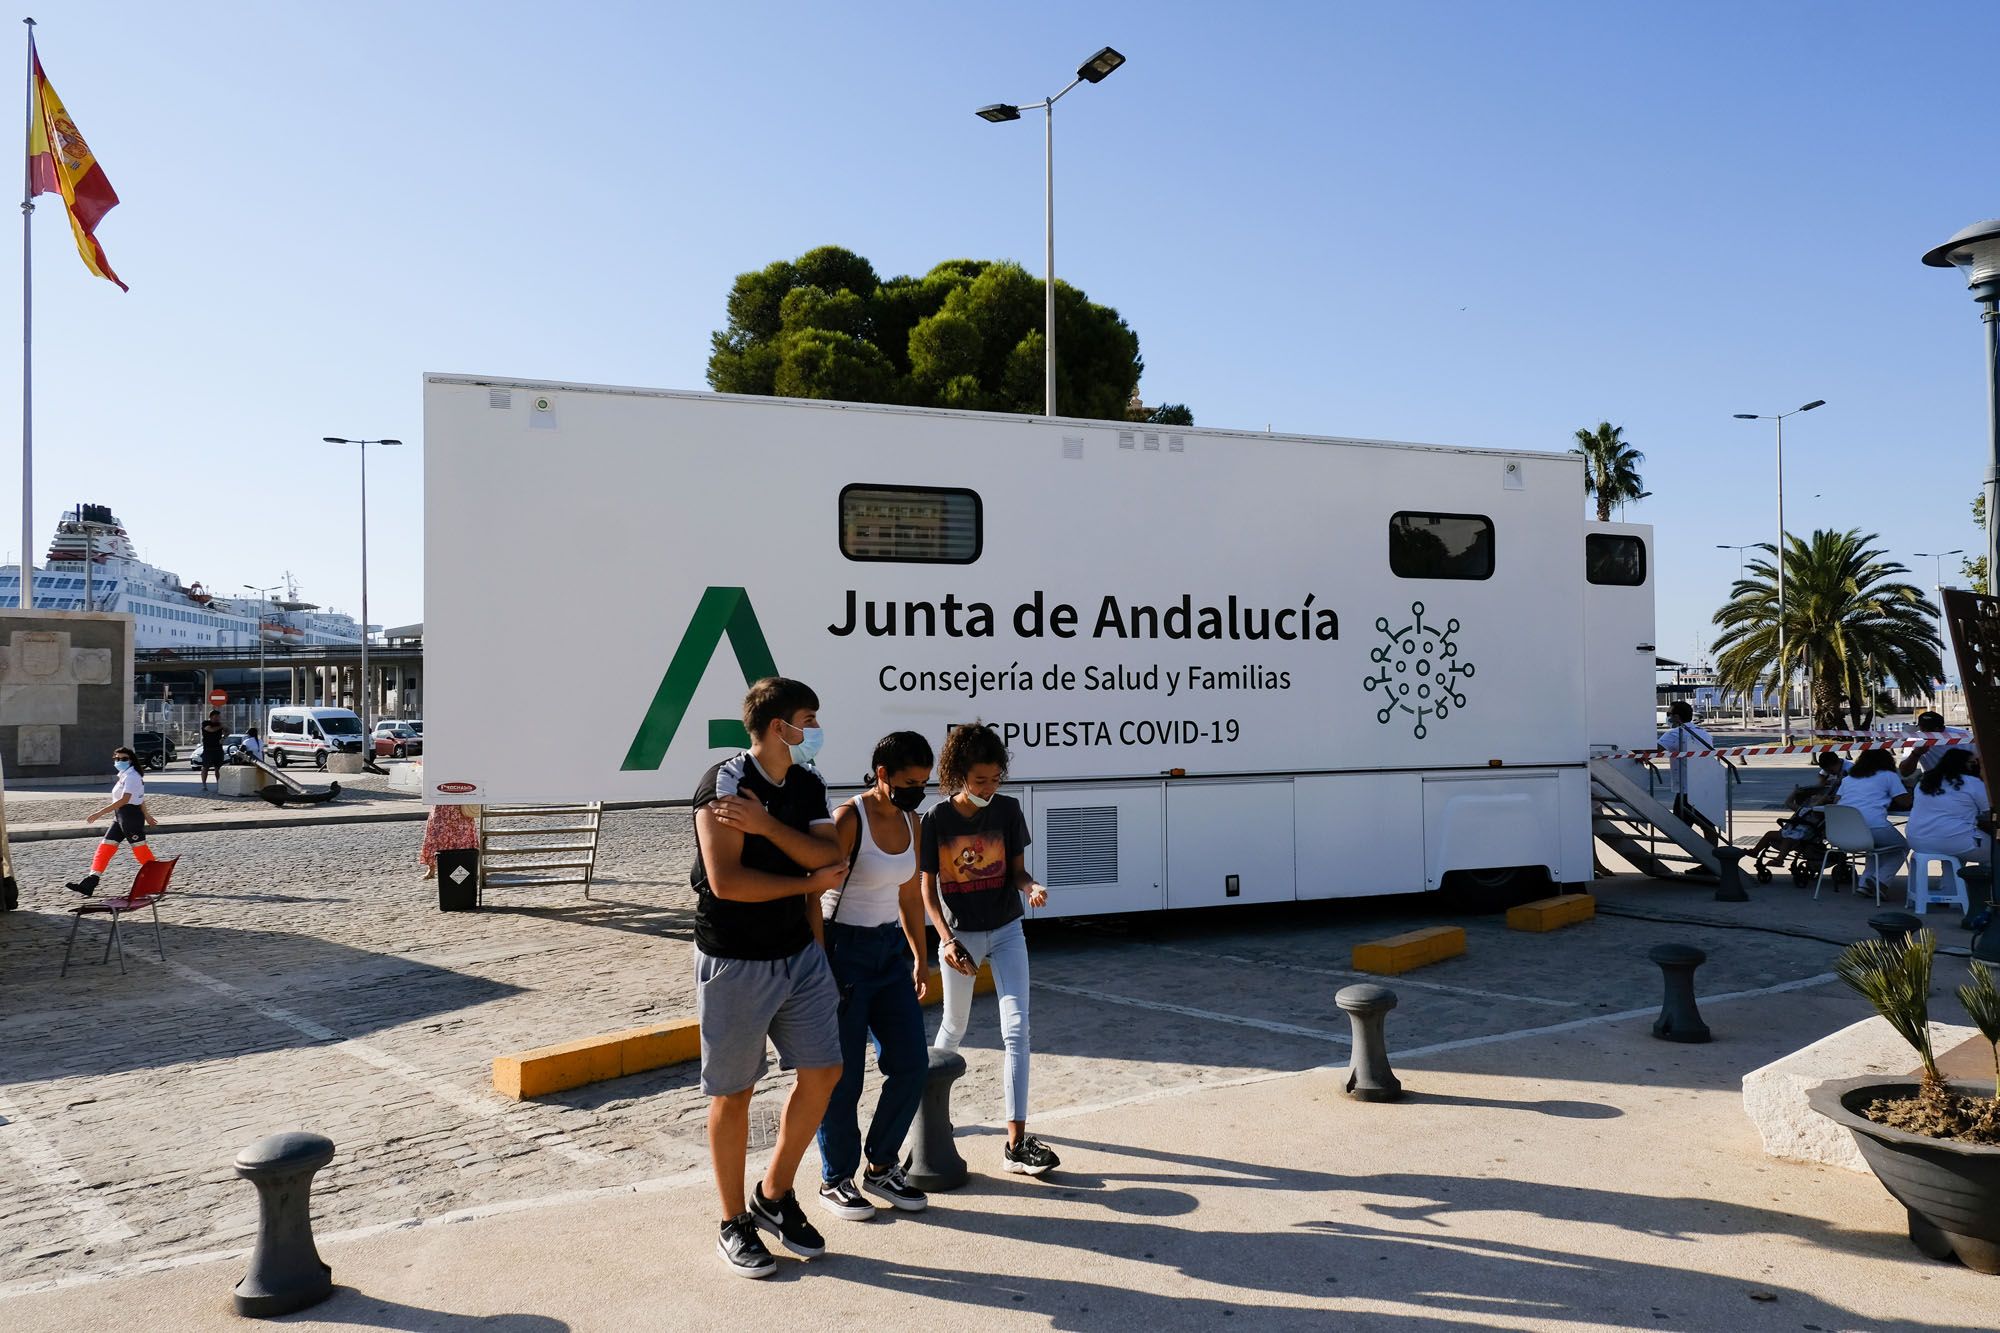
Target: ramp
1629, 820
533, 846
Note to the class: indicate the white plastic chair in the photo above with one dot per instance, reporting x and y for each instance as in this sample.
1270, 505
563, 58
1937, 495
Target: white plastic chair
1950, 890
1848, 834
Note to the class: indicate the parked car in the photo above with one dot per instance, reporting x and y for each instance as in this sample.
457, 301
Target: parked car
153, 748
229, 742
397, 740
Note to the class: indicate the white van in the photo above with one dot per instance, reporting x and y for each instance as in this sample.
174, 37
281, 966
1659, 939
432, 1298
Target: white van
308, 735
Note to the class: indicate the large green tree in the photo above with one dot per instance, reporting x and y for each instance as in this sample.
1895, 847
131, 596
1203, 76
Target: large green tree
967, 334
1850, 621
1610, 468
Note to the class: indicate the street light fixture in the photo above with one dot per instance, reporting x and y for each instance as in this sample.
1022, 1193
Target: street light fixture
1094, 70
1784, 667
367, 720
1975, 252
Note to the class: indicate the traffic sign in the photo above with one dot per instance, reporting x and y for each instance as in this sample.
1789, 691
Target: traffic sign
217, 698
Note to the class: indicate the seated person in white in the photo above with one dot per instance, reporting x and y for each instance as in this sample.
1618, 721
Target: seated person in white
1931, 727
1873, 788
1948, 802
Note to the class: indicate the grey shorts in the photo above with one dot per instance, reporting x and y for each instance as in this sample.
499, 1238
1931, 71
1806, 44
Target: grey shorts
742, 1001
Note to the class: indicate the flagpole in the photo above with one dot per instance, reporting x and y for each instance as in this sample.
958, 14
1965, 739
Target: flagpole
28, 341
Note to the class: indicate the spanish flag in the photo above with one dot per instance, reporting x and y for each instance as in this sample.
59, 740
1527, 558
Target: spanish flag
60, 162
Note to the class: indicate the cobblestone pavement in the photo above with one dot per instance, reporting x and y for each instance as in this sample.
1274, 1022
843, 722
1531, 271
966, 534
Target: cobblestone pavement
177, 794
309, 982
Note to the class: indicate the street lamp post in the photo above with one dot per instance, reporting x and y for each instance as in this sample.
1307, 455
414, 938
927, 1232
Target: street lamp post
1938, 587
367, 721
1739, 548
1975, 252
1094, 70
263, 714
1784, 667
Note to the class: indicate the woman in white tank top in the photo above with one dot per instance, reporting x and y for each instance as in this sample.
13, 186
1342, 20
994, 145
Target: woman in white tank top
875, 944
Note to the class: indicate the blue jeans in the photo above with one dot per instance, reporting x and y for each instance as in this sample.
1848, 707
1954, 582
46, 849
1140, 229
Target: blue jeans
875, 971
1007, 949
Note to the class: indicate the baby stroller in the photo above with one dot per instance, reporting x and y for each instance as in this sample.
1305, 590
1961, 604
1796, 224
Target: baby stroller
1798, 844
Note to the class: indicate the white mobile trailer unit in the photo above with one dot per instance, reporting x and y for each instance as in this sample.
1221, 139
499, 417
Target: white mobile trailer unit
1229, 666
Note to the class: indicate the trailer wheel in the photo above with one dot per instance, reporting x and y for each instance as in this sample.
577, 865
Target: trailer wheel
1495, 889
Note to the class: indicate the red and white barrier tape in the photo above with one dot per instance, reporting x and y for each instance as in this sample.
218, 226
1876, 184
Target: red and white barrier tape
1736, 751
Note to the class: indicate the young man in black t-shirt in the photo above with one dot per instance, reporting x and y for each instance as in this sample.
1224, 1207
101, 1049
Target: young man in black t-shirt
766, 852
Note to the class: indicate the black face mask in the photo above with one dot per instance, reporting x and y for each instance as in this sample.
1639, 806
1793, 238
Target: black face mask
906, 798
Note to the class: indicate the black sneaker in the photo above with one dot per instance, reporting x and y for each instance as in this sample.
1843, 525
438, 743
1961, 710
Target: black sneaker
845, 1202
743, 1249
85, 886
784, 1219
1030, 1157
894, 1186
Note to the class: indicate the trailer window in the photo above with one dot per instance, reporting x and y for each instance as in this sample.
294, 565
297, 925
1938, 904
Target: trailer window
1613, 559
925, 525
1440, 546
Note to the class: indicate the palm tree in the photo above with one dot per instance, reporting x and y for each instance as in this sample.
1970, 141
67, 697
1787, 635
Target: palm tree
1849, 622
1610, 467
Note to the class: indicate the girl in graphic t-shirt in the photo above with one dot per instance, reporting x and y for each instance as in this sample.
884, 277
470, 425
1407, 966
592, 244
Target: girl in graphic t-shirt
129, 818
975, 877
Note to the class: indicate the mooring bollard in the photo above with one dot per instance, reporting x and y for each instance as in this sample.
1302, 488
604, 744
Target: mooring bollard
1895, 927
285, 1269
1679, 1019
934, 1163
1369, 1078
1729, 885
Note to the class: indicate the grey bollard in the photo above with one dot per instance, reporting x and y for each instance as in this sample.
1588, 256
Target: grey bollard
1729, 887
1679, 1019
1895, 927
934, 1163
1369, 1078
285, 1269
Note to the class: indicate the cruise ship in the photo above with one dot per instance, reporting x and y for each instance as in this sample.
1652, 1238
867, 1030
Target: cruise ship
93, 566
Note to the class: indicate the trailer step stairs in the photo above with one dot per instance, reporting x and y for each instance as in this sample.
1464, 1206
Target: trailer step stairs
1642, 830
538, 846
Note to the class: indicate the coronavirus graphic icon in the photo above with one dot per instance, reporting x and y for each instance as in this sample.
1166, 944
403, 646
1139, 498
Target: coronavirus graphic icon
1418, 671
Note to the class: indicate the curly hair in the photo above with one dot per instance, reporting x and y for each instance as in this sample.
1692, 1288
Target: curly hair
969, 744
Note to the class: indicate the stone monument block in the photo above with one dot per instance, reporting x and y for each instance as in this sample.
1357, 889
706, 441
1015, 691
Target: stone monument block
40, 744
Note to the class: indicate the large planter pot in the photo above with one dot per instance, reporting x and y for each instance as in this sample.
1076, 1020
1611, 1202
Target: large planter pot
1951, 1190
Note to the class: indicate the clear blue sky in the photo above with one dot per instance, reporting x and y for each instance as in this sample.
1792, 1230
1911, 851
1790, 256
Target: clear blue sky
1465, 223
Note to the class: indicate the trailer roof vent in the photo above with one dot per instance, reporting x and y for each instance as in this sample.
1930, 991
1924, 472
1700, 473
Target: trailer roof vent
501, 398
1176, 444
1153, 440
1082, 845
1072, 446
1127, 440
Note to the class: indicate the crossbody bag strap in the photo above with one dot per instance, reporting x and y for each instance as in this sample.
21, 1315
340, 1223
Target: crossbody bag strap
860, 822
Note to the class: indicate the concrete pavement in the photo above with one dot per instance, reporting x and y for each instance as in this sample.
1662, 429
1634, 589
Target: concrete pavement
1593, 1179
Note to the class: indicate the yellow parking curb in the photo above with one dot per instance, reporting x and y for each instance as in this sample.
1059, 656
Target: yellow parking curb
573, 1064
1413, 949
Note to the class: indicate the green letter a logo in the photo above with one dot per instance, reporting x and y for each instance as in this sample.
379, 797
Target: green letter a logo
723, 611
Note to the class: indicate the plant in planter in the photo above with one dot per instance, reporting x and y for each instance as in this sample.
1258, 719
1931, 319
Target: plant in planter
1981, 999
1933, 1145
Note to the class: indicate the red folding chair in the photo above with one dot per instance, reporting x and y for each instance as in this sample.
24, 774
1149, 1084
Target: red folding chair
147, 889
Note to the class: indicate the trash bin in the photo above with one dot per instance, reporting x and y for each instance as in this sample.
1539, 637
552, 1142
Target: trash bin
458, 880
